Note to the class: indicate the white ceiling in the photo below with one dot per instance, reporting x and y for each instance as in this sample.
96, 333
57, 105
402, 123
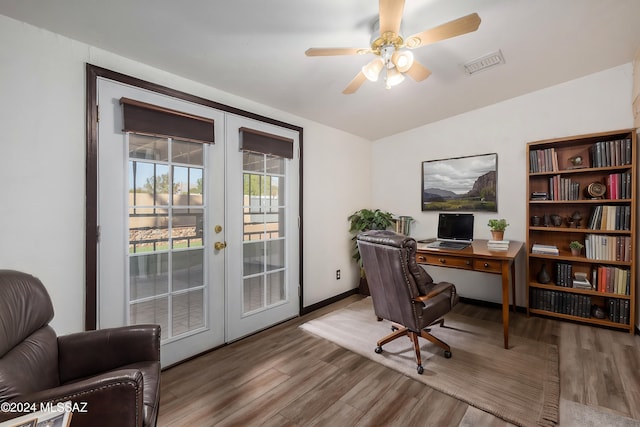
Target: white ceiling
255, 49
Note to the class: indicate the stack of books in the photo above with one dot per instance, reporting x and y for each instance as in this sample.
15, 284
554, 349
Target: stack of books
544, 249
498, 245
539, 195
580, 281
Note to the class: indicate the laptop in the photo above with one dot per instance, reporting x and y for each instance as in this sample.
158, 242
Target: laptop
455, 231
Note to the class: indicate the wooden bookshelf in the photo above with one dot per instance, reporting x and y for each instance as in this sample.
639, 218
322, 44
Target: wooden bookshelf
560, 210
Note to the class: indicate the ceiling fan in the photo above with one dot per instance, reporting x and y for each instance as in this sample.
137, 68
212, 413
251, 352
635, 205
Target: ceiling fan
389, 46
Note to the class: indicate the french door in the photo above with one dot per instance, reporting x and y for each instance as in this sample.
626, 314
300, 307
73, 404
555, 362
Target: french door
262, 209
160, 210
202, 239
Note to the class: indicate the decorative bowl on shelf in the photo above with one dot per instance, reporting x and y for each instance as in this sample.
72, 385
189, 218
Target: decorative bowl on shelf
596, 190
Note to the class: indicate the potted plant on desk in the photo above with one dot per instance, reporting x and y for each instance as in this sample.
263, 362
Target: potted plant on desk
497, 227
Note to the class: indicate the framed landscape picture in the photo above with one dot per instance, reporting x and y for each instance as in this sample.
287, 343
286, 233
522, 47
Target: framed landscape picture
460, 184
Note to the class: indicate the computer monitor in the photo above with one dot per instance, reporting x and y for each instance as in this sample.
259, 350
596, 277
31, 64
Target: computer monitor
455, 226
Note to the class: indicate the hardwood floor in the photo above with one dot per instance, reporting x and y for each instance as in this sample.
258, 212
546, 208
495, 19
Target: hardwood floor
286, 377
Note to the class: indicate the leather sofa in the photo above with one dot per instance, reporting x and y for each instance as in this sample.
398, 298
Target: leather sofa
112, 374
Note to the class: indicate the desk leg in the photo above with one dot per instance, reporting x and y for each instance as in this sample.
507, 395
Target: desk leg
505, 302
513, 284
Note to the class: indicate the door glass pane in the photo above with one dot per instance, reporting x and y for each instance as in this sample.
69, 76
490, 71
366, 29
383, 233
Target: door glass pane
187, 269
189, 153
148, 147
275, 254
148, 275
151, 311
148, 230
188, 311
166, 234
253, 258
264, 216
253, 295
187, 186
187, 228
276, 287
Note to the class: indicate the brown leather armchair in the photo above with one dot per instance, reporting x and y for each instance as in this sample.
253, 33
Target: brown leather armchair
402, 291
113, 374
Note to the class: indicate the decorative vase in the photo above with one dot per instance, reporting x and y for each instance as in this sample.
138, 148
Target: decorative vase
497, 235
543, 275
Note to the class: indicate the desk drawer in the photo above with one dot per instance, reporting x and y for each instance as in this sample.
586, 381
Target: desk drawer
488, 265
445, 261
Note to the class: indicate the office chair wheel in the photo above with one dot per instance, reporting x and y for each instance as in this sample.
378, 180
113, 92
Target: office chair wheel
420, 369
447, 354
378, 349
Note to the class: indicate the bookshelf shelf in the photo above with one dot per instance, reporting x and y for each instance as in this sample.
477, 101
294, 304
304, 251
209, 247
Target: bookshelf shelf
592, 320
562, 175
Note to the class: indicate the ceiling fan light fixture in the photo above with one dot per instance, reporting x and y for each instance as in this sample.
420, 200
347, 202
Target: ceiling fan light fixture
402, 59
372, 69
393, 78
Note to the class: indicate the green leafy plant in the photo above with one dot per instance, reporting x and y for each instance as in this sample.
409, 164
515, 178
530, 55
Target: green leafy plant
576, 245
498, 224
363, 220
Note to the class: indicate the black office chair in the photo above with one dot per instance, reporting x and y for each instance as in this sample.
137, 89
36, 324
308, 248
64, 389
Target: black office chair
402, 291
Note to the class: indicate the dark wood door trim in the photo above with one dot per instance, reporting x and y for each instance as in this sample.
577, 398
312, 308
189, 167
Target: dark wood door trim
91, 171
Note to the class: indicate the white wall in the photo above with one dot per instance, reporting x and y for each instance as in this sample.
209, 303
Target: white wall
42, 166
599, 102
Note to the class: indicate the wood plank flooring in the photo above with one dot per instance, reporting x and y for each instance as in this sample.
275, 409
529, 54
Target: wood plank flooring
286, 377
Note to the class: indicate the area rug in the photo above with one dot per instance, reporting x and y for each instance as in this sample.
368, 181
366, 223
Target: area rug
519, 385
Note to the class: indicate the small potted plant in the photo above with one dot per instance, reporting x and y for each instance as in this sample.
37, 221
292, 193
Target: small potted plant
497, 227
575, 247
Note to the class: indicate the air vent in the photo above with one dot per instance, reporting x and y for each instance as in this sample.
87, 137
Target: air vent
483, 63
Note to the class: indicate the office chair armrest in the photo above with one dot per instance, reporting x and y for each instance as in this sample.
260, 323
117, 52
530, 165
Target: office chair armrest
435, 290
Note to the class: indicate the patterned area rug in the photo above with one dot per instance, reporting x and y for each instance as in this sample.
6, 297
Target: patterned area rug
519, 385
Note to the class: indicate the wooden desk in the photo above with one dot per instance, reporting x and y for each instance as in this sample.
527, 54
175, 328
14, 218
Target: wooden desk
477, 257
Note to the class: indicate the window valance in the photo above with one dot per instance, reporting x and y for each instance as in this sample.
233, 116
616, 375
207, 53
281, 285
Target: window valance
265, 143
149, 119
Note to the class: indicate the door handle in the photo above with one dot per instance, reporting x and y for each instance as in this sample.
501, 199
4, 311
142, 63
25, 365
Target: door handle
219, 245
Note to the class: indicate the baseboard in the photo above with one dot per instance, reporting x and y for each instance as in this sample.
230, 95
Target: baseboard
489, 304
329, 301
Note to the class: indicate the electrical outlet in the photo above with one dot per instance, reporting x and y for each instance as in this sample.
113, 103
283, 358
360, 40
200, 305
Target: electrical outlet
337, 274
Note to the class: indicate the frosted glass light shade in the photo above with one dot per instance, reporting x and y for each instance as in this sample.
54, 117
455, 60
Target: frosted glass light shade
372, 69
402, 59
394, 77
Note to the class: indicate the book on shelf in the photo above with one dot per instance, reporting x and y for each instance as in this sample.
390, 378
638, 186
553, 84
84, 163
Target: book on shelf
611, 153
563, 188
560, 302
612, 280
604, 247
538, 248
544, 160
618, 310
619, 186
563, 274
539, 195
608, 217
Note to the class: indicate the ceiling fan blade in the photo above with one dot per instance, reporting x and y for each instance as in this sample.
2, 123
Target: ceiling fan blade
355, 84
390, 15
457, 27
333, 51
418, 72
